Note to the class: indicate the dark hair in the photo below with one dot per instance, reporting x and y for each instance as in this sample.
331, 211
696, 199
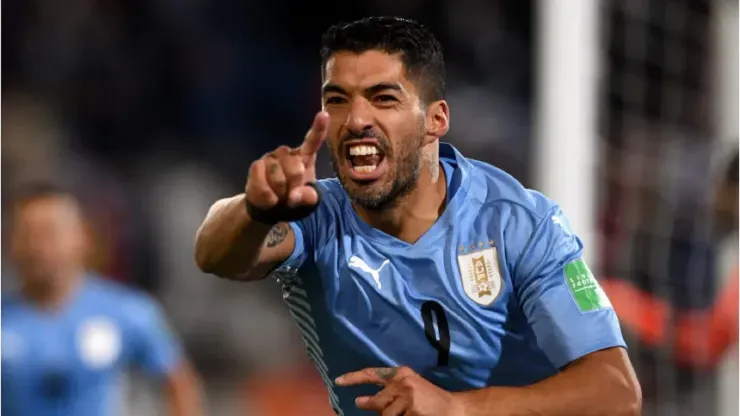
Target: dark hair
420, 51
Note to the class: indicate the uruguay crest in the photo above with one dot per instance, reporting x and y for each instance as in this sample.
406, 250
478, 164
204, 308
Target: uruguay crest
480, 275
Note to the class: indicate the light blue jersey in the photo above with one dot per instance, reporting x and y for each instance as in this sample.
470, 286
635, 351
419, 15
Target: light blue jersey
71, 362
494, 294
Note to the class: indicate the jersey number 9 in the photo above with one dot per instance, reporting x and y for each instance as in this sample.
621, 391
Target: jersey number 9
438, 337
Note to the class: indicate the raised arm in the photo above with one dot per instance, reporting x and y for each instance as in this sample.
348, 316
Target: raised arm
245, 236
231, 245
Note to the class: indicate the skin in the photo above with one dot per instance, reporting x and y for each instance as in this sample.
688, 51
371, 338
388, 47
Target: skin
370, 95
374, 102
49, 246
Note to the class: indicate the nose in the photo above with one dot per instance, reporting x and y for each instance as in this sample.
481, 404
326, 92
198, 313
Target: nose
360, 117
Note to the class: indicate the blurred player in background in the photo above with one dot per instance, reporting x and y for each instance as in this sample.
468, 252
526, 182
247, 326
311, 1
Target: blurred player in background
68, 337
423, 282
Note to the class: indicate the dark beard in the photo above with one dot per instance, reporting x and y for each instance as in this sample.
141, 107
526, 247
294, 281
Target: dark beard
399, 189
407, 172
402, 185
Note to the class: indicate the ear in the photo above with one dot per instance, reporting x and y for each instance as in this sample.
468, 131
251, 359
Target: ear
437, 121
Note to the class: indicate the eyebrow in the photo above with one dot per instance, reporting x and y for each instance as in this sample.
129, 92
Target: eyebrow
383, 86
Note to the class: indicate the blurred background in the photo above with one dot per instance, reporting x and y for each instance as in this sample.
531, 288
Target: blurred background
625, 111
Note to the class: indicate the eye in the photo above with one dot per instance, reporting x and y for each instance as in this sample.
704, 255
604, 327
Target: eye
335, 100
385, 98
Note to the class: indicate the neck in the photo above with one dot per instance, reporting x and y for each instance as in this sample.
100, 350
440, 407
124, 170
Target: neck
412, 216
51, 293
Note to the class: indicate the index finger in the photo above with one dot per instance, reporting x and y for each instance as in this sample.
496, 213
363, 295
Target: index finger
316, 135
377, 376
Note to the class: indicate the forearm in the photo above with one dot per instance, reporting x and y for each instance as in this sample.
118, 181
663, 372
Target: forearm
577, 390
184, 393
181, 404
228, 242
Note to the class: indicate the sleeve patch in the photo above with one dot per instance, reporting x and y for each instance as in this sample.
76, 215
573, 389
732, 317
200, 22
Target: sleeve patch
586, 291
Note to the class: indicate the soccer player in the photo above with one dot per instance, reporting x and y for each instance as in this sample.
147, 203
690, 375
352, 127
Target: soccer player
67, 336
423, 282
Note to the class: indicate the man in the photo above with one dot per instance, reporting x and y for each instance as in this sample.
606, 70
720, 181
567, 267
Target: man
424, 283
68, 336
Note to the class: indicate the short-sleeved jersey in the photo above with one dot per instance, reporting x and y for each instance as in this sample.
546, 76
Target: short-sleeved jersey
71, 361
495, 293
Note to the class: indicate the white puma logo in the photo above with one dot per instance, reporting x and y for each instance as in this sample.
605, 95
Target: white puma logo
359, 263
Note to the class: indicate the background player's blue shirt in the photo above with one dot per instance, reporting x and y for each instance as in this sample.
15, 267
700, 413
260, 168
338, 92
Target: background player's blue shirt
481, 299
71, 362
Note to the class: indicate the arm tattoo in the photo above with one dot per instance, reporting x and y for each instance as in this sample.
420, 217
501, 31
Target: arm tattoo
277, 235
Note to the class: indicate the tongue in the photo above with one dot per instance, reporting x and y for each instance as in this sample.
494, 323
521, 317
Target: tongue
366, 160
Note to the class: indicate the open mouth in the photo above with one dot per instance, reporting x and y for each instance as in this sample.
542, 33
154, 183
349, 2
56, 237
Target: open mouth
365, 160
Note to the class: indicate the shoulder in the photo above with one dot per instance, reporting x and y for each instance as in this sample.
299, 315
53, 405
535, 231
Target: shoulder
514, 215
10, 304
497, 189
10, 300
105, 289
129, 302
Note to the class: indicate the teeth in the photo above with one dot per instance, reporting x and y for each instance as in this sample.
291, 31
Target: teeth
364, 169
363, 150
